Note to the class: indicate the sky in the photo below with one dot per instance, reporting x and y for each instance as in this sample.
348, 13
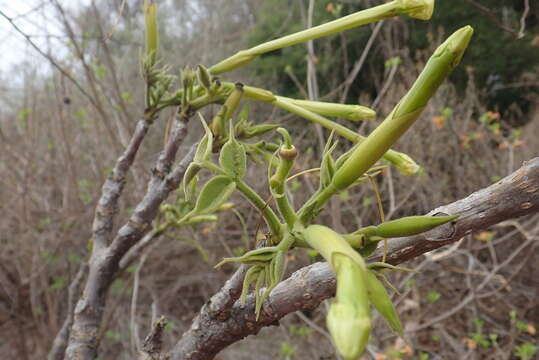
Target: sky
35, 18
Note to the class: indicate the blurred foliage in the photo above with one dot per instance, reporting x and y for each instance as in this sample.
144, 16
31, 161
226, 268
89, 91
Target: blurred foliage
499, 59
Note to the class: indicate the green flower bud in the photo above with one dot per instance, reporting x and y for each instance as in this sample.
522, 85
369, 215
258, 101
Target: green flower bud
418, 9
411, 225
200, 219
152, 32
348, 320
404, 163
407, 111
204, 76
350, 112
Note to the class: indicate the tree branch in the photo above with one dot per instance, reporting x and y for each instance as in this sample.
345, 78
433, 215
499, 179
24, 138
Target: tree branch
105, 260
514, 196
60, 341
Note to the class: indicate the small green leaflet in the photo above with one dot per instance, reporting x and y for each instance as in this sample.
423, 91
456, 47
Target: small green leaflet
205, 146
190, 173
232, 158
214, 193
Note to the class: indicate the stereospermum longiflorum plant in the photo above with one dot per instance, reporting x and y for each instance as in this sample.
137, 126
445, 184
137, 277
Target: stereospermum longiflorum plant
230, 134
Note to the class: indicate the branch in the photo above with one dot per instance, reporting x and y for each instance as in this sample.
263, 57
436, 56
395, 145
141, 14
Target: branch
105, 260
60, 341
111, 191
153, 344
493, 17
514, 196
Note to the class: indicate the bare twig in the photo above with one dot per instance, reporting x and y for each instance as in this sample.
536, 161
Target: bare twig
521, 31
359, 63
490, 14
49, 58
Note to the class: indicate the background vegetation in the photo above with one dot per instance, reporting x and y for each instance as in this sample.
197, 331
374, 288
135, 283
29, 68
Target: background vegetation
58, 144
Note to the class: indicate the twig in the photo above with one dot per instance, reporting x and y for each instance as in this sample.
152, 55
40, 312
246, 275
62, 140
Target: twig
153, 344
523, 19
359, 64
49, 58
492, 17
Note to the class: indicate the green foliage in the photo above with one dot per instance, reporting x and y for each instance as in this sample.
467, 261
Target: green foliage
433, 296
358, 286
287, 350
525, 351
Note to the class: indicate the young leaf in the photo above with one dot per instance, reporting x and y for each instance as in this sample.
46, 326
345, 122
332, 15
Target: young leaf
214, 194
379, 297
190, 173
259, 130
205, 146
327, 168
233, 158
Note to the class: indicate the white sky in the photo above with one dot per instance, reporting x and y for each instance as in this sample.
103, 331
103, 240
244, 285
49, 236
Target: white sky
35, 18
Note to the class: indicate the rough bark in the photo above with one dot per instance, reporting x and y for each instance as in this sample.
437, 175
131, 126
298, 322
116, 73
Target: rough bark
60, 342
514, 196
105, 258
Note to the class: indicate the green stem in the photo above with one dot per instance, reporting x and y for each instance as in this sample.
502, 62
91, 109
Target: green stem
406, 112
267, 212
363, 17
401, 161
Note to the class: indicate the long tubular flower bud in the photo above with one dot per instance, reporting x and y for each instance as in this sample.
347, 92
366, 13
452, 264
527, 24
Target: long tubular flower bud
404, 163
348, 319
411, 225
407, 111
420, 9
152, 33
350, 112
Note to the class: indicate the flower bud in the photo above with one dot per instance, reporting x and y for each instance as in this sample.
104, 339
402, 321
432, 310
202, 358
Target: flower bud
417, 9
411, 225
349, 331
152, 32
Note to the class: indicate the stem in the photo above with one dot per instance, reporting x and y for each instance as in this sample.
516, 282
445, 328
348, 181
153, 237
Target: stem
267, 212
404, 163
406, 112
363, 17
401, 161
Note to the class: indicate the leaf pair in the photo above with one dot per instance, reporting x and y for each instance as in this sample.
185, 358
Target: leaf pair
267, 275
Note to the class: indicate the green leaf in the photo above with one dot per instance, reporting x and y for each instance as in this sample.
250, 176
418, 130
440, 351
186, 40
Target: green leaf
213, 194
204, 76
327, 168
205, 146
433, 296
259, 130
190, 173
59, 283
379, 298
233, 159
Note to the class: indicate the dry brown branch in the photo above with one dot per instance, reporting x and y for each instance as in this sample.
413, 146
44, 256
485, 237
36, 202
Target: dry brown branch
514, 196
153, 344
60, 342
105, 259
